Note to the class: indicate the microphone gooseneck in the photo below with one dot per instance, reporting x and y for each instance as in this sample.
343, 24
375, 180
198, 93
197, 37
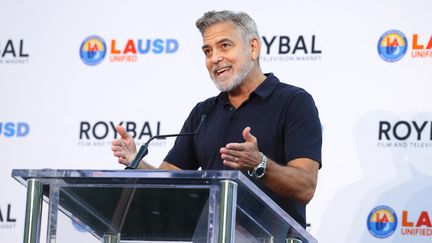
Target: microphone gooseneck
143, 151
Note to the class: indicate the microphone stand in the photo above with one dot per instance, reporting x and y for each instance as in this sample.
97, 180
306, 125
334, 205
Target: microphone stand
143, 151
127, 194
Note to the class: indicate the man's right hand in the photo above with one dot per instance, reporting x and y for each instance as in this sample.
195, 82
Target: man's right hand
124, 148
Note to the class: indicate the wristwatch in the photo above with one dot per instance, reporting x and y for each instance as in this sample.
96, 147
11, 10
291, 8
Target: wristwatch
259, 170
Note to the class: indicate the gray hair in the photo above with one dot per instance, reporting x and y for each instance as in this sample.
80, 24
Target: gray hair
242, 20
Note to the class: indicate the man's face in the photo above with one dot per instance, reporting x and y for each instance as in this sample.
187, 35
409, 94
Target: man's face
228, 58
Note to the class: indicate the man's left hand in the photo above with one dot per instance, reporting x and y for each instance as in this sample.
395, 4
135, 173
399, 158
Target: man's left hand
242, 156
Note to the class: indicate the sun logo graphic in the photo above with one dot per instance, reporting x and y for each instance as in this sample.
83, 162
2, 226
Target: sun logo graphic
93, 50
392, 46
382, 221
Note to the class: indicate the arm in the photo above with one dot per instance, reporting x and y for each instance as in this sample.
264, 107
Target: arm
296, 180
125, 150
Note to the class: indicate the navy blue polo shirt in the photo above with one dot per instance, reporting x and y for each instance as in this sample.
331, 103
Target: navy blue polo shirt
282, 117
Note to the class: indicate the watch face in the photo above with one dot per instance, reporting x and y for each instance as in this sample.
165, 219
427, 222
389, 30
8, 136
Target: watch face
259, 171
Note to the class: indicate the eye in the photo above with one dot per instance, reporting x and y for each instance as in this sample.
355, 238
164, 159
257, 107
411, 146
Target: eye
225, 45
207, 52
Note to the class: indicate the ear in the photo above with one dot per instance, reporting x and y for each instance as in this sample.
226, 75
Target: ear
255, 48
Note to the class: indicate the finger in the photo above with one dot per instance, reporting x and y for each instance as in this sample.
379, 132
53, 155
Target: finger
235, 146
117, 145
122, 131
120, 154
247, 135
116, 142
230, 151
232, 165
123, 161
230, 157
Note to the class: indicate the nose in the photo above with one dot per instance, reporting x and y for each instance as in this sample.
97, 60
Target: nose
216, 58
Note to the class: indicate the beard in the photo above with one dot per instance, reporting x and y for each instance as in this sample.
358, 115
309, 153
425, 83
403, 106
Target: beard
226, 84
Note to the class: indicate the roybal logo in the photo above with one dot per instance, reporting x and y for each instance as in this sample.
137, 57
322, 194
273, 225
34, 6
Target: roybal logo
392, 45
100, 133
290, 48
382, 222
13, 52
7, 219
405, 133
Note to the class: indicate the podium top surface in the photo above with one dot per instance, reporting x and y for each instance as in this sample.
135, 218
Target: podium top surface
50, 176
85, 187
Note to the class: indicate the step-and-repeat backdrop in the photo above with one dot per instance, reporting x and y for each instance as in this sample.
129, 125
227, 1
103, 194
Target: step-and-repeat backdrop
72, 70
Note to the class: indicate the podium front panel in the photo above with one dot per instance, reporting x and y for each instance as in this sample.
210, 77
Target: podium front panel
176, 206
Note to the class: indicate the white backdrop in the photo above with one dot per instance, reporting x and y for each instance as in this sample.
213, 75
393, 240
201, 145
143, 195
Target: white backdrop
376, 114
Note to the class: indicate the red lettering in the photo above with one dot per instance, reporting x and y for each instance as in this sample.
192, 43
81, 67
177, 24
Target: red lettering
415, 41
424, 220
130, 47
394, 43
113, 48
90, 48
405, 222
429, 45
384, 218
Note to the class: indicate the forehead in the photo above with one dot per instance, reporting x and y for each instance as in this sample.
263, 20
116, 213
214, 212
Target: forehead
216, 32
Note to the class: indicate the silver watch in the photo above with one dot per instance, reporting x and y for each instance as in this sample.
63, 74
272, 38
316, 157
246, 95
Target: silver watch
259, 170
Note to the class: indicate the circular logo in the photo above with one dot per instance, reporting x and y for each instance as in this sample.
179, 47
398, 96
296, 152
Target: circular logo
93, 50
392, 46
382, 221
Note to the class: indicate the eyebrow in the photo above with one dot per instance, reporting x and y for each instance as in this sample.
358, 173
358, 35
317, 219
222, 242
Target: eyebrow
218, 42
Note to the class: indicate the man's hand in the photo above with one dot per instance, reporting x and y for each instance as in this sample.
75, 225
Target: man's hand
124, 148
242, 156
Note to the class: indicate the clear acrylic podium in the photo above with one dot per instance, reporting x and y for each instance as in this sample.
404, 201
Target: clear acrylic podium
153, 206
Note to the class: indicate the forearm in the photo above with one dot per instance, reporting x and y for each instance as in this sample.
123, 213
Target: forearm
292, 181
143, 165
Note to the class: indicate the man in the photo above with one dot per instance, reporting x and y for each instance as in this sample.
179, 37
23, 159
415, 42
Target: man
258, 125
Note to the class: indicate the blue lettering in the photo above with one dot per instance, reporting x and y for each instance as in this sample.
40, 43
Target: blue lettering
22, 129
171, 45
140, 47
9, 129
158, 46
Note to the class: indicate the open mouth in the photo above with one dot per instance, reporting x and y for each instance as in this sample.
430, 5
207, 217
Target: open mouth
222, 70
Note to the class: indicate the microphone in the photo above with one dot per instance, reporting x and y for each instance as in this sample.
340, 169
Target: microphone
143, 151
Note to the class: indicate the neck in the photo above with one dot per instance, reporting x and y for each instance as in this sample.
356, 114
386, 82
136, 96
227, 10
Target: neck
241, 93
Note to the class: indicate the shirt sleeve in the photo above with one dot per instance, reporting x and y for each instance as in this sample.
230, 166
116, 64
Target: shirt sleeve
182, 154
303, 134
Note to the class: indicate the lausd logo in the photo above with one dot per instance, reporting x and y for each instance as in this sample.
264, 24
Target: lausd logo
422, 226
93, 50
392, 46
419, 49
382, 222
12, 129
13, 52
